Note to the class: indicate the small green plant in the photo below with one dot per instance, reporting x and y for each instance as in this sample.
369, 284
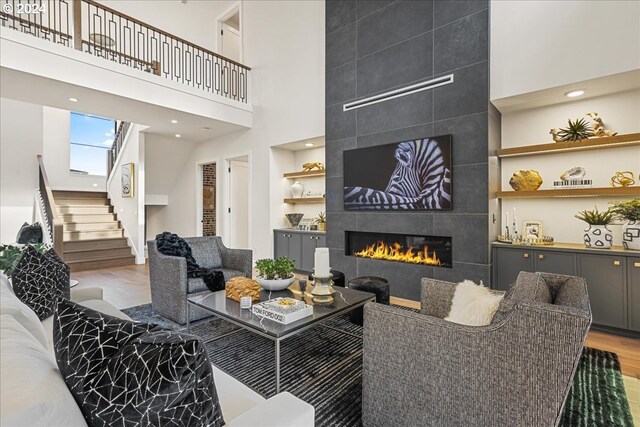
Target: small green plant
628, 210
322, 218
10, 255
279, 268
576, 130
595, 217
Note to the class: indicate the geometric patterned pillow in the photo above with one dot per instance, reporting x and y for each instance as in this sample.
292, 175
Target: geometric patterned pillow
39, 279
127, 373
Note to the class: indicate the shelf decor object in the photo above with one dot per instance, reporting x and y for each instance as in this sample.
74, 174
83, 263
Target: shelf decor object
526, 180
294, 218
311, 166
622, 179
597, 235
296, 190
583, 145
598, 126
629, 211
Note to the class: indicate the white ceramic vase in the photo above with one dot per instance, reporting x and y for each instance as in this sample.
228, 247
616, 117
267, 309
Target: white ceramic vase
631, 235
296, 190
275, 284
598, 237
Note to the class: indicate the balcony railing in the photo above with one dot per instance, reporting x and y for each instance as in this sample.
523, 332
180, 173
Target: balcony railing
104, 32
118, 141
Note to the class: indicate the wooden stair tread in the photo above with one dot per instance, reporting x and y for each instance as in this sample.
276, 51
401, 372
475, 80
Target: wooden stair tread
101, 259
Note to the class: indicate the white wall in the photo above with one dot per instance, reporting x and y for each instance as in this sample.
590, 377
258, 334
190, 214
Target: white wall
20, 143
620, 112
130, 210
287, 79
542, 44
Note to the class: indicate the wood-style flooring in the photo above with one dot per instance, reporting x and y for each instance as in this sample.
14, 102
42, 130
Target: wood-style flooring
129, 286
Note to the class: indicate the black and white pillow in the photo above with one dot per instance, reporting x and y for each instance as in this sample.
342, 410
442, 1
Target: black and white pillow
39, 279
126, 373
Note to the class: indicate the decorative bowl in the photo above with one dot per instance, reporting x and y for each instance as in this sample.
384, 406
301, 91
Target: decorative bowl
275, 284
294, 218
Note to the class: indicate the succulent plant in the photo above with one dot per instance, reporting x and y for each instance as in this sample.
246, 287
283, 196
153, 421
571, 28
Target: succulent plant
279, 268
10, 255
595, 217
576, 130
628, 210
322, 218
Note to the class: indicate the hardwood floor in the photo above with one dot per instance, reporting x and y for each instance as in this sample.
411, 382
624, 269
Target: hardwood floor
129, 286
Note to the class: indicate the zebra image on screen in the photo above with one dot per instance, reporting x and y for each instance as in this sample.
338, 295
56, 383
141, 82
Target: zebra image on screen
421, 181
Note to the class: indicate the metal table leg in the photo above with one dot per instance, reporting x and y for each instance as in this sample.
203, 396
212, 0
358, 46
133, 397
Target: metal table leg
188, 318
277, 366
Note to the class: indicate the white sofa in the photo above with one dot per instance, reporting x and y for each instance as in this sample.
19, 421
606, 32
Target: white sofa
33, 392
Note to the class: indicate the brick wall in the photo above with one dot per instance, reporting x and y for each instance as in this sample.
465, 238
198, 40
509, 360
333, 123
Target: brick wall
209, 200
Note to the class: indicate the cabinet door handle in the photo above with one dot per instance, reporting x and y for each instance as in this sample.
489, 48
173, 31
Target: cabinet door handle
636, 264
526, 255
541, 256
616, 262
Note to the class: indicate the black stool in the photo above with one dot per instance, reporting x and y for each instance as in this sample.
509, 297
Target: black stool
338, 278
374, 285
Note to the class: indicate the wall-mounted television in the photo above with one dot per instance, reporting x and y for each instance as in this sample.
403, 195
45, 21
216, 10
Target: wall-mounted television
404, 176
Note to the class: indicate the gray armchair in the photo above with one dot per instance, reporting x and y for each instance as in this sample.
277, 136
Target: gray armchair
420, 370
168, 274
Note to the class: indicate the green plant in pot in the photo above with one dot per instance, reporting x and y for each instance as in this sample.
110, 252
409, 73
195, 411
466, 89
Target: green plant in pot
275, 274
322, 221
598, 235
629, 212
11, 254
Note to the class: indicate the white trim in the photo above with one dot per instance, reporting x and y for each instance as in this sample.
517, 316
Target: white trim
236, 7
227, 203
199, 189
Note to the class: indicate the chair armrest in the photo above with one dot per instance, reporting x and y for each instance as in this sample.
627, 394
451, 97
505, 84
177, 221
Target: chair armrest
85, 294
166, 269
436, 297
237, 259
282, 410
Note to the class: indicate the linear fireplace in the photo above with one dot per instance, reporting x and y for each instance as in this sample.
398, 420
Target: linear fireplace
413, 249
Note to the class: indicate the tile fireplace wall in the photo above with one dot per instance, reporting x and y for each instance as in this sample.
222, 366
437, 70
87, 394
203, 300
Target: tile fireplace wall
373, 47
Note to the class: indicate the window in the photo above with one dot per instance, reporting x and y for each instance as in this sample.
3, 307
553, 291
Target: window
91, 139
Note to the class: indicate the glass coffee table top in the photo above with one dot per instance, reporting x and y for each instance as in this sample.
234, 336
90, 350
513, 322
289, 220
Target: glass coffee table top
344, 300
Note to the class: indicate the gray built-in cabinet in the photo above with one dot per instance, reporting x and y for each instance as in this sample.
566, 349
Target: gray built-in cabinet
613, 277
299, 246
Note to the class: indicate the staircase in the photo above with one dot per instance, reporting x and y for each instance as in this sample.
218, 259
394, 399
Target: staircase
93, 237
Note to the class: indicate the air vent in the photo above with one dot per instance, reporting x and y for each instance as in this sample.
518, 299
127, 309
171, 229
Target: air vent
397, 93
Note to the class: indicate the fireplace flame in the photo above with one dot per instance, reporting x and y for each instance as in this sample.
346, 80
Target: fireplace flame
396, 252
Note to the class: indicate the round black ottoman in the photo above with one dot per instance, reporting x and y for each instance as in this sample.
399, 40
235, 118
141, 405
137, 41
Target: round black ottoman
338, 278
375, 285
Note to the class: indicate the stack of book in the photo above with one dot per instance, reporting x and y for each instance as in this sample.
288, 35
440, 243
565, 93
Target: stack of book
283, 310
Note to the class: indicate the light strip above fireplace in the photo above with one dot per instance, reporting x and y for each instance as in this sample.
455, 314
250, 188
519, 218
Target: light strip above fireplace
397, 93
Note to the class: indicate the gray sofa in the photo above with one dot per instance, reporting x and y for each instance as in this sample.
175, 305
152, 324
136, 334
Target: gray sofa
168, 274
419, 369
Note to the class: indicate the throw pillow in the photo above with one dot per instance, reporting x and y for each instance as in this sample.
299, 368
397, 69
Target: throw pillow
126, 373
473, 305
29, 234
39, 279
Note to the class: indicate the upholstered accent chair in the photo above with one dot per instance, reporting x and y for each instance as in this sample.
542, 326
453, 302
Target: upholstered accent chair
419, 369
168, 274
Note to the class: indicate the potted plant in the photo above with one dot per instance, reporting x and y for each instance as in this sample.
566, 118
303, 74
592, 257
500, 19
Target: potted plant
10, 255
629, 211
322, 221
275, 274
597, 235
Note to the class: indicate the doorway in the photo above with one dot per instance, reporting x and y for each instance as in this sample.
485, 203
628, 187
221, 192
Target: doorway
230, 35
208, 199
238, 208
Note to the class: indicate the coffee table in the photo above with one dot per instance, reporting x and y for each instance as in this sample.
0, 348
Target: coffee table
218, 304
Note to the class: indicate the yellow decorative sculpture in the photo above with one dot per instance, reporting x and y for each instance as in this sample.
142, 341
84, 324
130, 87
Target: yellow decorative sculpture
622, 179
528, 180
598, 126
310, 166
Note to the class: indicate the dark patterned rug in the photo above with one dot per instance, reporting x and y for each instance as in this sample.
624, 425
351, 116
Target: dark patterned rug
323, 367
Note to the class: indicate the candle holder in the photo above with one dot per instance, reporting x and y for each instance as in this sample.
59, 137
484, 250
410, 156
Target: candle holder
322, 290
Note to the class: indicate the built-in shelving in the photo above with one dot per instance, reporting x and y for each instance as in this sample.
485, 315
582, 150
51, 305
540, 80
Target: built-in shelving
304, 174
304, 200
582, 145
573, 192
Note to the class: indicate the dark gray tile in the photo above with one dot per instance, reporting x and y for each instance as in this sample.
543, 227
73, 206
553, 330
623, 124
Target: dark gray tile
340, 84
404, 279
468, 94
335, 194
393, 24
447, 11
396, 135
470, 188
339, 13
407, 111
340, 47
366, 7
344, 264
461, 43
464, 271
495, 129
337, 224
339, 124
333, 155
469, 234
396, 66
418, 223
469, 138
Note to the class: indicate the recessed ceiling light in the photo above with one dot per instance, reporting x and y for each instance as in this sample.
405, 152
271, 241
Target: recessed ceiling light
174, 121
73, 99
574, 93
178, 135
309, 144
